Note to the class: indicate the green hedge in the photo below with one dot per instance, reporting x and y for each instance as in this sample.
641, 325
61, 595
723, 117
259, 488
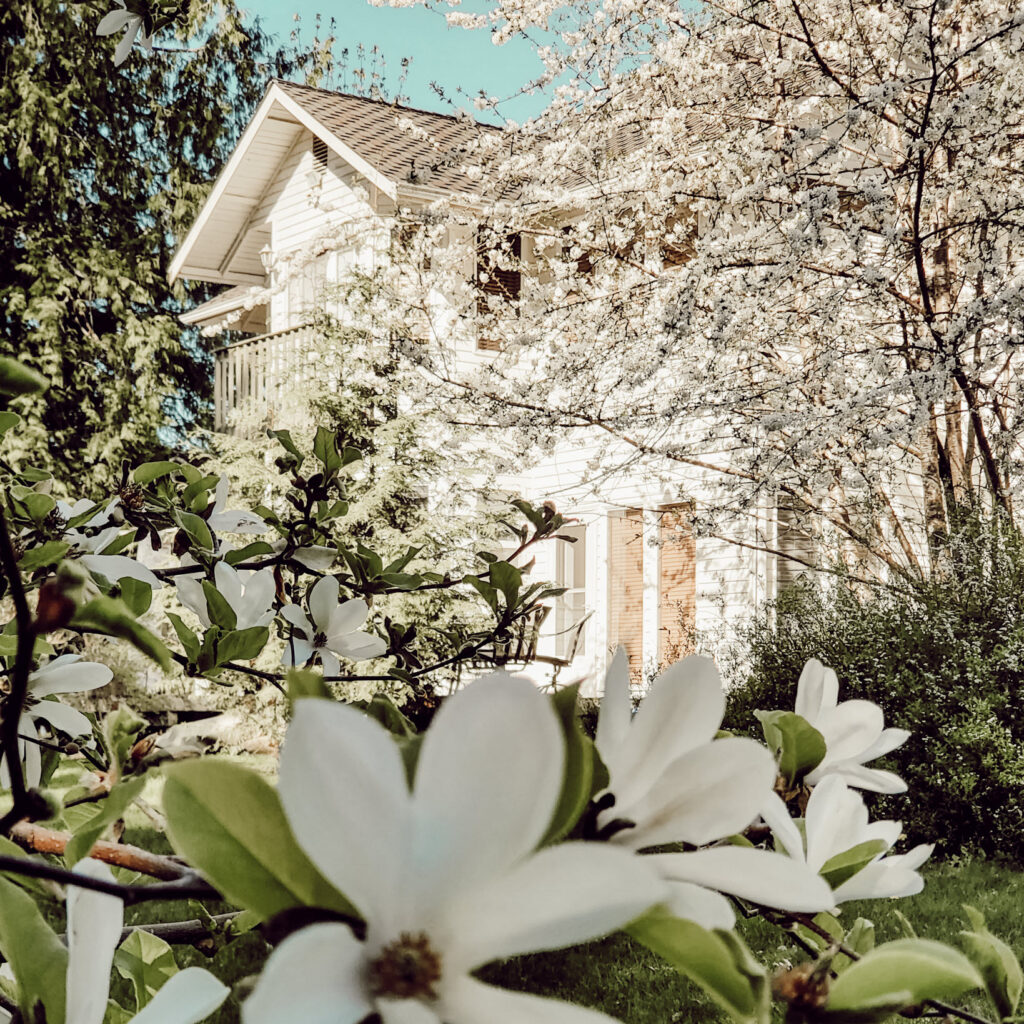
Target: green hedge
944, 659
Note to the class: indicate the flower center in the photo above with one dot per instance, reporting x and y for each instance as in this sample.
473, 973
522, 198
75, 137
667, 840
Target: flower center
319, 639
406, 969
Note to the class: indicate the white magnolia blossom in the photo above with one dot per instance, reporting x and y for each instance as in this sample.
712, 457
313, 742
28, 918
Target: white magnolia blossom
249, 593
111, 567
95, 921
315, 557
674, 782
836, 820
66, 674
232, 520
853, 730
445, 876
331, 629
132, 24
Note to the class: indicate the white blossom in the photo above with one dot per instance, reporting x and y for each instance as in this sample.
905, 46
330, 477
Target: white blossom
445, 875
232, 520
133, 26
250, 594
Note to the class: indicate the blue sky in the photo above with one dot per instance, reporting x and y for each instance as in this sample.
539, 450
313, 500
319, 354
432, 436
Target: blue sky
454, 58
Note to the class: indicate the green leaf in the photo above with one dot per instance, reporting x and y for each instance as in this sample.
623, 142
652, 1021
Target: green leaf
717, 961
18, 379
147, 962
384, 710
242, 644
903, 973
284, 438
508, 579
578, 780
228, 822
48, 553
996, 962
255, 550
842, 866
8, 420
38, 506
37, 957
138, 596
150, 471
189, 641
197, 530
796, 744
111, 616
35, 885
325, 448
221, 613
304, 682
119, 730
860, 938
111, 810
486, 591
401, 580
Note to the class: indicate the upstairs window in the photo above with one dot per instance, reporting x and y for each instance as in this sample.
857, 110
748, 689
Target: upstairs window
498, 276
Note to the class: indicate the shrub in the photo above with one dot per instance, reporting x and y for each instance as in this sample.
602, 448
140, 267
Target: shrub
944, 659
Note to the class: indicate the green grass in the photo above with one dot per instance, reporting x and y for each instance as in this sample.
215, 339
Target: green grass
616, 975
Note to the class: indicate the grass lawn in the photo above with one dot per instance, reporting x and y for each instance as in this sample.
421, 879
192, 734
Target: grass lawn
616, 975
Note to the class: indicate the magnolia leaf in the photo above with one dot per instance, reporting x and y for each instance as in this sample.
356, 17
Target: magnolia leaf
8, 420
796, 744
112, 616
842, 866
325, 448
578, 780
717, 961
860, 939
147, 962
508, 579
256, 549
189, 641
241, 644
18, 379
37, 957
48, 553
138, 596
228, 822
111, 809
221, 613
903, 973
996, 962
120, 729
382, 708
304, 682
284, 438
197, 530
150, 471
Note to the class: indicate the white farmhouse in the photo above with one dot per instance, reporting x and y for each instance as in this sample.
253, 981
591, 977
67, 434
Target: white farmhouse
314, 188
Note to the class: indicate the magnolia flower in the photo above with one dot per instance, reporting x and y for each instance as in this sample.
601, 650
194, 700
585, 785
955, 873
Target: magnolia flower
133, 27
232, 520
853, 730
95, 921
111, 567
66, 674
315, 557
334, 629
445, 876
836, 820
673, 782
250, 595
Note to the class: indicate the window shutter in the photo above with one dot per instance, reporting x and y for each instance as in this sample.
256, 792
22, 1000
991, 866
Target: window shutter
319, 154
626, 587
677, 584
793, 537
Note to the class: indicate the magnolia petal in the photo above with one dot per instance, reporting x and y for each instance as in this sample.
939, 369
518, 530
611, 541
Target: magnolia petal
695, 903
237, 521
770, 879
849, 729
468, 1001
189, 997
118, 567
616, 712
332, 667
816, 691
887, 831
558, 897
487, 781
406, 1011
874, 780
683, 711
293, 614
62, 717
776, 817
878, 880
706, 794
887, 742
358, 645
835, 820
109, 24
94, 930
913, 858
32, 757
318, 559
346, 617
226, 580
190, 594
256, 606
314, 976
296, 652
68, 677
345, 794
323, 599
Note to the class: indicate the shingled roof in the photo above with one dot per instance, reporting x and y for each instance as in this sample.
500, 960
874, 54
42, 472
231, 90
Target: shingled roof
430, 153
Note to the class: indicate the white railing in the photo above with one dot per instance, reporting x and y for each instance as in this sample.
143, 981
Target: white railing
258, 372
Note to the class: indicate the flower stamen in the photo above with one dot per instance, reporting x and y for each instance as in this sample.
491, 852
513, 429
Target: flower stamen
405, 969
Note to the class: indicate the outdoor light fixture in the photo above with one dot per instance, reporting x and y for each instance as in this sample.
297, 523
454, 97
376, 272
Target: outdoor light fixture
266, 257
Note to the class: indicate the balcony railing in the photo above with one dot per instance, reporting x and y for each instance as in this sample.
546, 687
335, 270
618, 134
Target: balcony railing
260, 371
